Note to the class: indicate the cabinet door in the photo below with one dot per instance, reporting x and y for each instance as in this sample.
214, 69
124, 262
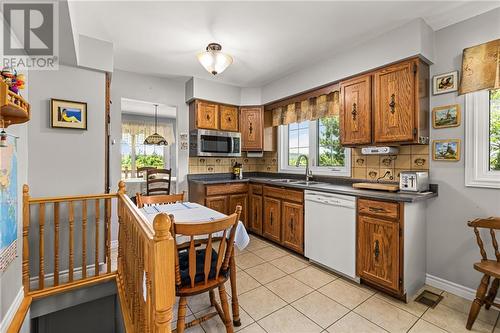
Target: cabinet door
255, 213
252, 128
207, 115
218, 203
239, 199
378, 251
394, 117
228, 118
272, 219
356, 111
293, 226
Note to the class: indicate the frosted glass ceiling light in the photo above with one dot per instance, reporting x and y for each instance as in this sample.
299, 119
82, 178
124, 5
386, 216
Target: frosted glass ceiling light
214, 60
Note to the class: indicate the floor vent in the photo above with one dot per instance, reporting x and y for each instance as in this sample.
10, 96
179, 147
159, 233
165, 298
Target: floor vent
429, 298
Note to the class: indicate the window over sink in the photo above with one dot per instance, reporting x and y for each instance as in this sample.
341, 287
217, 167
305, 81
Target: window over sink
319, 141
482, 139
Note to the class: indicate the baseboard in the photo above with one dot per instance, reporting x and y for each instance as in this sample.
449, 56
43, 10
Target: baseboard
11, 312
452, 287
114, 244
64, 276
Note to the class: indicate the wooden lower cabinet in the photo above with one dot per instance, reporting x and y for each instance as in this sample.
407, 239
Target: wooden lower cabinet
379, 250
293, 226
218, 203
242, 200
272, 219
255, 214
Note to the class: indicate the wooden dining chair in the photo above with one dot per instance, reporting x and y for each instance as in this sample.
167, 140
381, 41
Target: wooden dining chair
142, 170
203, 270
148, 200
158, 181
489, 268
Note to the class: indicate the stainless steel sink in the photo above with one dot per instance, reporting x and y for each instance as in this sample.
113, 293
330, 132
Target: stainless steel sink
307, 183
284, 180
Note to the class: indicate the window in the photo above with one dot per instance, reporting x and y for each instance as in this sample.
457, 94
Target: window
135, 154
319, 141
482, 139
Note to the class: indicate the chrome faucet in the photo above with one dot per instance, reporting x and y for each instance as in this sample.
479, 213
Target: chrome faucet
308, 172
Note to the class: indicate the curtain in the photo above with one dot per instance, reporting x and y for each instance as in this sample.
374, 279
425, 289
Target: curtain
327, 105
481, 67
147, 127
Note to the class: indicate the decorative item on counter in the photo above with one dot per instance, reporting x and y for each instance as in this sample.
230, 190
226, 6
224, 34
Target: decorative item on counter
237, 171
15, 81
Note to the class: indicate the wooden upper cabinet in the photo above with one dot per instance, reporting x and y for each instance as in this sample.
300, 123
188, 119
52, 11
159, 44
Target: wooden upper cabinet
207, 115
293, 226
379, 251
252, 128
228, 118
356, 111
395, 103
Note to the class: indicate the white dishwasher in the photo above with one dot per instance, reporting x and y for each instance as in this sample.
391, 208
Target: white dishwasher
330, 231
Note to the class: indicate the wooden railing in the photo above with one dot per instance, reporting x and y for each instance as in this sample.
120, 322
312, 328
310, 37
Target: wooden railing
145, 258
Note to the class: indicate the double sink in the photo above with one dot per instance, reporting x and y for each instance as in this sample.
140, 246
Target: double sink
294, 181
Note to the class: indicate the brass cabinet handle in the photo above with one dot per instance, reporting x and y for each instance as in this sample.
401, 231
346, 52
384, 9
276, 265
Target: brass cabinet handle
392, 104
376, 210
354, 111
271, 213
250, 128
377, 249
208, 116
291, 223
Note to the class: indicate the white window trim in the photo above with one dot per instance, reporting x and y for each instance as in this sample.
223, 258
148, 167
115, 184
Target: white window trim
477, 171
283, 166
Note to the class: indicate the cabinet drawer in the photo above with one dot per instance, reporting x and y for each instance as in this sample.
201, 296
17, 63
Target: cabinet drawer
384, 209
256, 189
283, 193
226, 188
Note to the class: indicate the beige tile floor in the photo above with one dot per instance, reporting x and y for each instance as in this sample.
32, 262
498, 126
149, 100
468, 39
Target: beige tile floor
280, 292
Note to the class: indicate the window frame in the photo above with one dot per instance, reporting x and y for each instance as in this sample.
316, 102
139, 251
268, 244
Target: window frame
477, 142
283, 166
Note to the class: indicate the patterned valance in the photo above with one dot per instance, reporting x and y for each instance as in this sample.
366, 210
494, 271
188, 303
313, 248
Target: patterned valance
147, 127
310, 109
481, 67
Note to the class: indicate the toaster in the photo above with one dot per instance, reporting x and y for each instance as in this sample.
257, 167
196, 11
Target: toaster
414, 181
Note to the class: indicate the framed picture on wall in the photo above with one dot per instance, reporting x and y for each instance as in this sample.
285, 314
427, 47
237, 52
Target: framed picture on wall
68, 114
446, 116
446, 150
445, 83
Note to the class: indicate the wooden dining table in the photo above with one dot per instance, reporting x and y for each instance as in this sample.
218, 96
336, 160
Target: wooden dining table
189, 212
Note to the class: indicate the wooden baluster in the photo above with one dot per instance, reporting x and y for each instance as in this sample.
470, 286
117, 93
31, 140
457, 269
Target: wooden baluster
163, 291
107, 204
56, 243
26, 225
84, 239
97, 217
71, 241
41, 246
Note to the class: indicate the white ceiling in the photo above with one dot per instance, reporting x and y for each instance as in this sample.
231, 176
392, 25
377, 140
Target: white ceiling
268, 40
143, 108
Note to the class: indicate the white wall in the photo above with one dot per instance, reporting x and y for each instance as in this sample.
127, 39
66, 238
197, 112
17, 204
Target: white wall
66, 161
212, 91
408, 40
451, 246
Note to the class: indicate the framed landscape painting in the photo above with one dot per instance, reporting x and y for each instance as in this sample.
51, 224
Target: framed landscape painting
446, 150
446, 116
68, 114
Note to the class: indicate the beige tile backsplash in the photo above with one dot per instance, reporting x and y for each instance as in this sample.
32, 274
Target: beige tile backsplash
368, 167
371, 167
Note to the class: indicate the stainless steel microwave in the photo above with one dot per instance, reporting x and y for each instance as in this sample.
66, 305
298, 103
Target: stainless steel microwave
214, 143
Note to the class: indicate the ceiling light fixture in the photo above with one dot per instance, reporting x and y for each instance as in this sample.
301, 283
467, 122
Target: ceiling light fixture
156, 139
214, 61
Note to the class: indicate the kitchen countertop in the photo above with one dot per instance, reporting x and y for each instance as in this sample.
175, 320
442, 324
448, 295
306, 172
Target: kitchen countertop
342, 186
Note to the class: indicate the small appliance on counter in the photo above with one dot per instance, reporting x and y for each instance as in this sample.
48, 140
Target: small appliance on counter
237, 171
414, 181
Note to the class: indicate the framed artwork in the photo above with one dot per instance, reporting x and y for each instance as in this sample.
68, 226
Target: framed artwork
68, 114
446, 150
445, 83
446, 116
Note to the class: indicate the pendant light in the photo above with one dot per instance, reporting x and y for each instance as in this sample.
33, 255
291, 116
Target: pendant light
214, 60
156, 139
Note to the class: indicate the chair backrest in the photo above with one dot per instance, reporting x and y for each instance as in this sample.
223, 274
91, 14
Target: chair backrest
142, 170
158, 181
151, 200
204, 233
492, 223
